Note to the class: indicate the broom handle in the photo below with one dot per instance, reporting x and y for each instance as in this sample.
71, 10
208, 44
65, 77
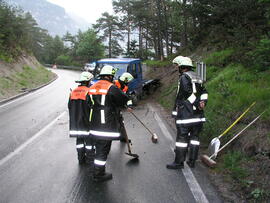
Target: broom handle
237, 134
142, 123
237, 120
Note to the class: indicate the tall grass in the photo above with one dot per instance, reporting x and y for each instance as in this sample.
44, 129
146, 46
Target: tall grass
231, 91
232, 162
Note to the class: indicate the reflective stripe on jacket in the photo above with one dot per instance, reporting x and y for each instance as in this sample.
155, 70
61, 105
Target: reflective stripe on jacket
190, 92
79, 110
106, 99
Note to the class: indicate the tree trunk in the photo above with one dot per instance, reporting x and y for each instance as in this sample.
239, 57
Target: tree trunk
184, 35
110, 44
128, 42
159, 30
166, 29
140, 37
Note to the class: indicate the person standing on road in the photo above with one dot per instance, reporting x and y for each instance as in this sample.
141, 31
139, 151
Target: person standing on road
122, 83
190, 102
79, 110
106, 99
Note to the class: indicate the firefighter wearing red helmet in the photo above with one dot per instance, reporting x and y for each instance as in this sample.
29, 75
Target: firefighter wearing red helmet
188, 110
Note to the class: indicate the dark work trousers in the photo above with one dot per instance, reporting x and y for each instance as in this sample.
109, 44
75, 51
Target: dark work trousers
80, 146
103, 148
90, 149
123, 132
187, 137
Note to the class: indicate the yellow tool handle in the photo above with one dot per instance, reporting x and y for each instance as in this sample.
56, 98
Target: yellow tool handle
237, 120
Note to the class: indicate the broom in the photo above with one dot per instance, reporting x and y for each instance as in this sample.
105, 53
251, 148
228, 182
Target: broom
209, 160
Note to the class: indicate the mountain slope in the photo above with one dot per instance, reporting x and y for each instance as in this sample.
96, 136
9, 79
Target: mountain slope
50, 16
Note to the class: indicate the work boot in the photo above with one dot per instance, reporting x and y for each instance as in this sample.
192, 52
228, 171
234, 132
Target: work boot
180, 156
192, 155
191, 163
101, 178
100, 175
174, 165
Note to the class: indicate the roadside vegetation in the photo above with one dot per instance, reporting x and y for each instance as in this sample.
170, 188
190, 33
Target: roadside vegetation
21, 81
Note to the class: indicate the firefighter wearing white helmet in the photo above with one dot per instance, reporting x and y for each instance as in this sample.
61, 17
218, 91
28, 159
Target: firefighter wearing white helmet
122, 83
79, 111
106, 99
107, 70
190, 101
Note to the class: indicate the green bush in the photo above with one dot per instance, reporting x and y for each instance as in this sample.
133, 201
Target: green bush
260, 56
155, 63
258, 194
6, 58
63, 60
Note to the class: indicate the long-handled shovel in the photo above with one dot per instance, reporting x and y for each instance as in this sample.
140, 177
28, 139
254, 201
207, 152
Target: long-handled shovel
215, 142
154, 137
136, 156
209, 160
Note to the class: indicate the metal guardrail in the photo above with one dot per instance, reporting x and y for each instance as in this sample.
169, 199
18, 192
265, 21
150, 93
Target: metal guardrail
64, 67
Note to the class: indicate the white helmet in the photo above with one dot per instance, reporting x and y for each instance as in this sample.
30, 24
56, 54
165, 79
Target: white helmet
85, 76
107, 70
126, 77
183, 61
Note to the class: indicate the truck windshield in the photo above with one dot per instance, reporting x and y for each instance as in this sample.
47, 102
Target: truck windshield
120, 67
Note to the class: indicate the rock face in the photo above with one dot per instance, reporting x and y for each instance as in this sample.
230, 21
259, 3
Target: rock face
50, 16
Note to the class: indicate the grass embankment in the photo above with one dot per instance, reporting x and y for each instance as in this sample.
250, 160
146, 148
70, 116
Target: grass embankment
26, 79
232, 88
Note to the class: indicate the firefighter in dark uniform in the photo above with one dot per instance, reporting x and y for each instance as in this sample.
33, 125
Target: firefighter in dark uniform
106, 98
122, 83
79, 110
189, 104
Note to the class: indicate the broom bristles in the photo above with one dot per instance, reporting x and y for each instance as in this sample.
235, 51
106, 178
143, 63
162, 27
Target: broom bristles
209, 162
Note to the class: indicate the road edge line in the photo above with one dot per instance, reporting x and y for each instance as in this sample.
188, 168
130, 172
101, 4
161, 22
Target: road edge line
193, 184
27, 142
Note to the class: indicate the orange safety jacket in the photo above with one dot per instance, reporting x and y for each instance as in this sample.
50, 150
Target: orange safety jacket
124, 88
79, 110
106, 99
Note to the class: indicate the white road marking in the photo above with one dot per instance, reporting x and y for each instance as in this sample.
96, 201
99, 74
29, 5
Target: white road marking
25, 144
194, 186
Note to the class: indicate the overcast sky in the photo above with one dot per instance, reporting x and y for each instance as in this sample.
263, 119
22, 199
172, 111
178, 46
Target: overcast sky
90, 10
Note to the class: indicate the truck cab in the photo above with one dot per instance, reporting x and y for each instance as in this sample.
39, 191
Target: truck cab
130, 65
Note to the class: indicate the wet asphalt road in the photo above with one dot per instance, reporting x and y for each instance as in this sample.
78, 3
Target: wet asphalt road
38, 160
